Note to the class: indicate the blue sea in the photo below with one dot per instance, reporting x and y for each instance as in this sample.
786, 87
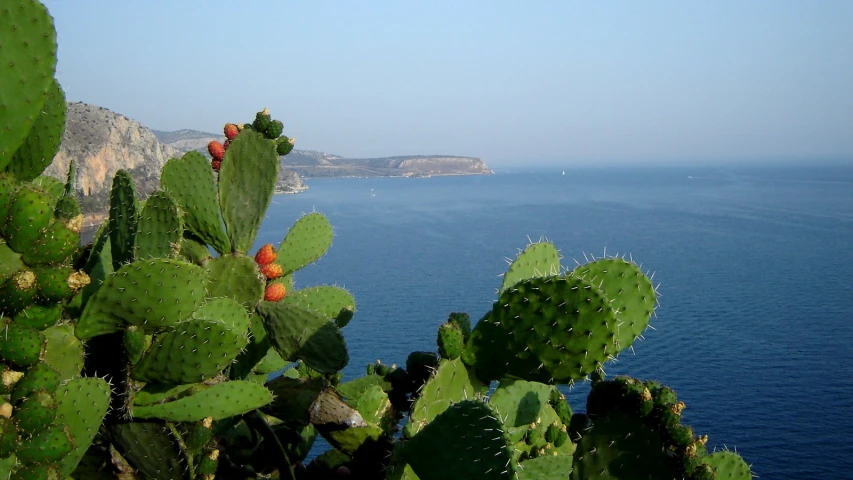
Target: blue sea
754, 266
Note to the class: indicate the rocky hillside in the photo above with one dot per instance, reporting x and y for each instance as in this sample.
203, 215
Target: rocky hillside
103, 142
310, 163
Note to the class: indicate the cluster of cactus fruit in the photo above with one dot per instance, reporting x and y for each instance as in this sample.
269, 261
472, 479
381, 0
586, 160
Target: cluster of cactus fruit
148, 352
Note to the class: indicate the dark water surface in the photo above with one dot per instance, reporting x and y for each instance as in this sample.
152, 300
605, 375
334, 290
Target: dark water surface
755, 266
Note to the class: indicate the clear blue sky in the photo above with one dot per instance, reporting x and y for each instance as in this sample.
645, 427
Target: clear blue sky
511, 82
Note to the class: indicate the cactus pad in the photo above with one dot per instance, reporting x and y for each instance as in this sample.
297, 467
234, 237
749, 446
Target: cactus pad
220, 401
728, 466
41, 144
21, 345
152, 449
28, 40
465, 442
31, 212
159, 230
538, 260
306, 241
123, 218
81, 404
234, 276
519, 403
190, 181
246, 183
452, 382
152, 294
46, 446
326, 299
63, 351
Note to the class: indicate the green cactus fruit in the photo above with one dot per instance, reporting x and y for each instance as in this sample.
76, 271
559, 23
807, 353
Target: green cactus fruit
55, 244
123, 218
208, 464
548, 329
27, 72
301, 334
552, 432
159, 231
306, 241
153, 294
36, 472
274, 129
46, 446
35, 412
563, 410
58, 284
537, 260
222, 400
630, 292
450, 341
41, 144
452, 382
246, 184
519, 403
381, 369
622, 446
283, 145
534, 436
8, 186
63, 351
195, 351
326, 299
151, 448
562, 438
190, 182
39, 377
135, 342
728, 465
21, 345
463, 320
8, 378
18, 292
68, 210
262, 121
420, 366
198, 435
82, 404
371, 369
193, 249
622, 394
466, 441
234, 276
39, 316
31, 212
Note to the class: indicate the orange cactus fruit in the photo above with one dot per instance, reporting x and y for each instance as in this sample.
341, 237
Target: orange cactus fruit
271, 270
265, 255
275, 292
216, 150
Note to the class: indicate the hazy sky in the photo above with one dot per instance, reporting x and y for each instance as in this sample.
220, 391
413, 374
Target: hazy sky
510, 82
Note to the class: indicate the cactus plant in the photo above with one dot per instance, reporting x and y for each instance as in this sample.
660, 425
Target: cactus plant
144, 355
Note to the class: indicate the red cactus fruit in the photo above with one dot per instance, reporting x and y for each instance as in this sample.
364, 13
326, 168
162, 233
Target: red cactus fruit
216, 164
265, 255
217, 151
275, 292
271, 270
231, 131
226, 143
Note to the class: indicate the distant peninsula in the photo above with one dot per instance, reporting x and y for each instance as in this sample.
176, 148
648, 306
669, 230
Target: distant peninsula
314, 164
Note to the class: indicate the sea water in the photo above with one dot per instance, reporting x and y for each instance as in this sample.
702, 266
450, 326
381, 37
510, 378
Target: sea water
754, 266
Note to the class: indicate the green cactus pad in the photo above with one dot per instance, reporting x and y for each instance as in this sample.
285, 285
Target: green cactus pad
545, 468
550, 329
190, 181
538, 260
197, 350
39, 316
81, 404
55, 244
18, 292
234, 276
256, 350
123, 218
306, 241
620, 446
30, 213
151, 448
375, 408
159, 231
293, 399
135, 342
326, 299
63, 351
193, 250
46, 446
35, 412
39, 377
53, 186
353, 389
41, 144
728, 466
301, 334
452, 382
465, 442
8, 187
630, 292
270, 363
519, 403
9, 438
21, 345
10, 262
222, 400
26, 73
152, 294
349, 440
224, 310
246, 183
